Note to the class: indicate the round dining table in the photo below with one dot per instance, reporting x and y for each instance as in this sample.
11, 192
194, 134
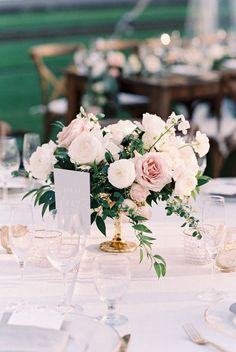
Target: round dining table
156, 308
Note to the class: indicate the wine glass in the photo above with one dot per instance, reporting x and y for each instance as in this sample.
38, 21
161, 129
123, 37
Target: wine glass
111, 277
30, 143
9, 160
21, 231
65, 254
213, 232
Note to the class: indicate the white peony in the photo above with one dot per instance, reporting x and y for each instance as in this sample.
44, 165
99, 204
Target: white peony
43, 160
86, 149
189, 159
121, 173
201, 145
185, 184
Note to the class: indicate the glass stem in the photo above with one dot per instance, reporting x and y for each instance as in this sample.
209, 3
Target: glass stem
66, 300
213, 269
111, 310
22, 279
5, 190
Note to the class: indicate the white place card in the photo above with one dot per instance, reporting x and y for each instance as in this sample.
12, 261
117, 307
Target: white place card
34, 316
72, 189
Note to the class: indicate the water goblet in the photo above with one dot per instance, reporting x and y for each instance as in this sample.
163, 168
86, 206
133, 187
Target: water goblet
31, 142
65, 255
21, 231
111, 277
213, 233
9, 160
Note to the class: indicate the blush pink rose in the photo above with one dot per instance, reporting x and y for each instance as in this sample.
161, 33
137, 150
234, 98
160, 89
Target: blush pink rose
153, 171
138, 193
69, 133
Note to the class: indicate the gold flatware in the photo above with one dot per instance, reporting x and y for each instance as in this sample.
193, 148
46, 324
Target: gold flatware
124, 343
194, 335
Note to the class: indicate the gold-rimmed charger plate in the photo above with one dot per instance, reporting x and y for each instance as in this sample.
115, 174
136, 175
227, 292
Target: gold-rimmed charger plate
220, 318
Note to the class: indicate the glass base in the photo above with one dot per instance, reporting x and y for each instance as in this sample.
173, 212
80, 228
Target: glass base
211, 296
114, 320
118, 247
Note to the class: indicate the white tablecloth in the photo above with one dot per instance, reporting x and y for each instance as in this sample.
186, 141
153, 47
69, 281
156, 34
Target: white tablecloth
156, 309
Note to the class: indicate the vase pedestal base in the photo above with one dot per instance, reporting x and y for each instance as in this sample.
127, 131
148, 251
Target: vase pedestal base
118, 246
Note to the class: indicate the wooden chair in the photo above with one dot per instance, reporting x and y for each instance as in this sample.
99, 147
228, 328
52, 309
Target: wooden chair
52, 85
116, 44
5, 129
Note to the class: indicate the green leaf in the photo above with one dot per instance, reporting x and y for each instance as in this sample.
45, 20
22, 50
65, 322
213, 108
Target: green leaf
93, 217
140, 255
158, 257
202, 180
109, 157
157, 268
141, 228
163, 269
100, 116
101, 225
138, 218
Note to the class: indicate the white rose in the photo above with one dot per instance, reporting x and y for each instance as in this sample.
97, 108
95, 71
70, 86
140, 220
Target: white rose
116, 59
201, 145
134, 64
185, 184
152, 64
98, 69
121, 173
121, 129
43, 160
153, 124
86, 149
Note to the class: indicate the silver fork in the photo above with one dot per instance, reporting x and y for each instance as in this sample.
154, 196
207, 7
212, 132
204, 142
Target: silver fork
194, 335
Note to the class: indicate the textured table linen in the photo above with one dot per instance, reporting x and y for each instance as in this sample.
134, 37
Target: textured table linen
156, 309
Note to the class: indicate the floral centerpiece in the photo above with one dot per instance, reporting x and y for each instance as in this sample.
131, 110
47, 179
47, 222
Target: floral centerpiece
131, 165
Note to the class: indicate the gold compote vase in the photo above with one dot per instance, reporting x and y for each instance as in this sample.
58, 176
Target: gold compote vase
117, 244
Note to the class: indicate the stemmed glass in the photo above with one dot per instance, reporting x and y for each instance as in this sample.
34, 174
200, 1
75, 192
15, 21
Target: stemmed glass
111, 277
30, 143
9, 160
213, 232
65, 254
21, 232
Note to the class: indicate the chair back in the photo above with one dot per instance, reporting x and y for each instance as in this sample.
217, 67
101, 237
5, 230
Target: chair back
116, 44
52, 85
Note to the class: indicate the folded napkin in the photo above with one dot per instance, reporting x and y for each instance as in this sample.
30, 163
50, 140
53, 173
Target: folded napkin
17, 338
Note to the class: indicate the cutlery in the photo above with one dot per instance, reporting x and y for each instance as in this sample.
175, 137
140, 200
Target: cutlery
124, 343
232, 308
195, 337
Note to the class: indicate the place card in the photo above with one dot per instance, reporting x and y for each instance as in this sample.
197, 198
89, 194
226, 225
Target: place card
39, 317
72, 190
